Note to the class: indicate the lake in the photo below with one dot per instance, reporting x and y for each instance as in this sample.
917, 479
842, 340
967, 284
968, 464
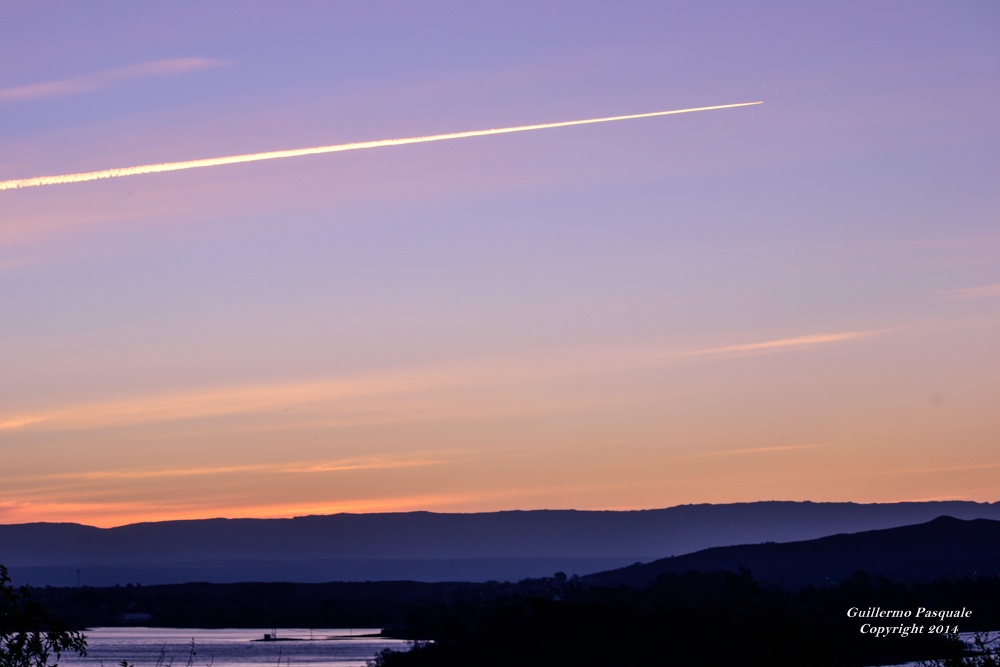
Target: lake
172, 647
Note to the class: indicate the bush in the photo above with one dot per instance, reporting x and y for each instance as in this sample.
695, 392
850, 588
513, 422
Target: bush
29, 636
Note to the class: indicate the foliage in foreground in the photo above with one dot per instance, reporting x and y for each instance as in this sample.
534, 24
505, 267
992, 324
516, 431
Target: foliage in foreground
985, 652
29, 636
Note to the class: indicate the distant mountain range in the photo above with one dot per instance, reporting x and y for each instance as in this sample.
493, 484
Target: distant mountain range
945, 547
424, 546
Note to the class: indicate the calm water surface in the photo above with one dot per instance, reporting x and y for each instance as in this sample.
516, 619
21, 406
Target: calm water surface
172, 647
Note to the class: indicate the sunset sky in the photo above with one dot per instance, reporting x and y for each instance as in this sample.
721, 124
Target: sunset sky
796, 300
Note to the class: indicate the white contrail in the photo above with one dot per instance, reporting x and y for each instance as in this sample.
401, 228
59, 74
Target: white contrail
296, 152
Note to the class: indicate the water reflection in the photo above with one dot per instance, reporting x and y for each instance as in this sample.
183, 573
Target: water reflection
196, 647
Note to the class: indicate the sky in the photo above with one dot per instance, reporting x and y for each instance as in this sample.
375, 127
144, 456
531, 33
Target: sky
794, 300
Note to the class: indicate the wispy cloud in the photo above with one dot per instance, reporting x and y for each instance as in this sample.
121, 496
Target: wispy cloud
106, 78
765, 450
401, 395
982, 292
941, 469
305, 467
618, 441
20, 422
792, 343
205, 403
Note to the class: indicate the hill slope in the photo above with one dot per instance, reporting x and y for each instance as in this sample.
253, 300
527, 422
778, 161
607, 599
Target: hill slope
944, 547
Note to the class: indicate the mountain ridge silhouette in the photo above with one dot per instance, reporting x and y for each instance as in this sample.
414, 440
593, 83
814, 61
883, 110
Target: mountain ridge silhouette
427, 546
944, 547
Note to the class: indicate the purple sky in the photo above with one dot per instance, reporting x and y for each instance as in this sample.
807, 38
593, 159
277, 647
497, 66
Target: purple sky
797, 300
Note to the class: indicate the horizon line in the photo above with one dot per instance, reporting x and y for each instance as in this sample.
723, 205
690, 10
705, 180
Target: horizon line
508, 511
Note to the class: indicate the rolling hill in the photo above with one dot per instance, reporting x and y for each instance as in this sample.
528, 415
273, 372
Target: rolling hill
943, 548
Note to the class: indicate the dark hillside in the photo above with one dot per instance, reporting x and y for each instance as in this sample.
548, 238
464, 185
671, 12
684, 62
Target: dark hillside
944, 547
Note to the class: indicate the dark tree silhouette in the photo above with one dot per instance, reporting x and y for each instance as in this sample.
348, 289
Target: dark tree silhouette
985, 652
29, 636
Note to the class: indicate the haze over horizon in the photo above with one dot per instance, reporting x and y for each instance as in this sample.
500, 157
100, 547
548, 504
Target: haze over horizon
798, 300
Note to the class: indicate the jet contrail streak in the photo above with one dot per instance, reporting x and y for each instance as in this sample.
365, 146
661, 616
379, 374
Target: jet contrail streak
297, 152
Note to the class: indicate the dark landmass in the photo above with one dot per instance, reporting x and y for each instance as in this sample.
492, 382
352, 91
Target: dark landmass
685, 611
256, 605
312, 571
424, 546
655, 614
944, 547
696, 618
707, 619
